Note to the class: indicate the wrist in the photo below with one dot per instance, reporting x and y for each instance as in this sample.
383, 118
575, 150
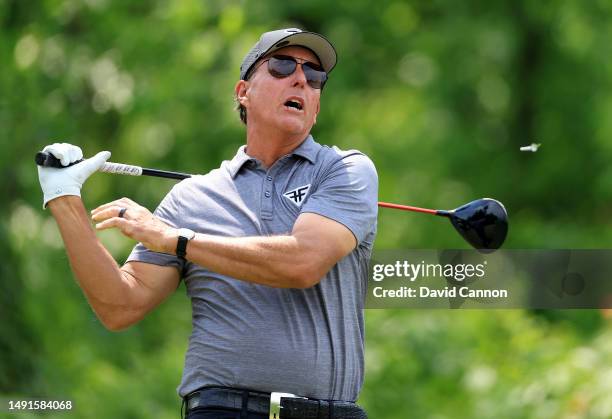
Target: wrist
184, 236
169, 241
63, 203
60, 192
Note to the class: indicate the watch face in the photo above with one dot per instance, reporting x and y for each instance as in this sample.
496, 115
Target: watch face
187, 233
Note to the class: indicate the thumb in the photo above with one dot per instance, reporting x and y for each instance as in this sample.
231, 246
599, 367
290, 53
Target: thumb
95, 163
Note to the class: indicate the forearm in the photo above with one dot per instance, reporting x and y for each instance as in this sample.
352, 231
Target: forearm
97, 273
277, 261
296, 260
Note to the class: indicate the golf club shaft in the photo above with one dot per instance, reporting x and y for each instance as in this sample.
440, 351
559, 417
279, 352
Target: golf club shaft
48, 160
408, 208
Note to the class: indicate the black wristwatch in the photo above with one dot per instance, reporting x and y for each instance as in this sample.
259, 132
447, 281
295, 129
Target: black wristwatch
184, 235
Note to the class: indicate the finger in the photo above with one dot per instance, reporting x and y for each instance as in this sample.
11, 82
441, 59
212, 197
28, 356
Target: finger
65, 152
113, 210
68, 153
127, 202
74, 153
114, 222
122, 202
107, 213
94, 163
58, 151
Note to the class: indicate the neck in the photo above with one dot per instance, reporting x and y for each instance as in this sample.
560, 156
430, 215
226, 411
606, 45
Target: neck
268, 146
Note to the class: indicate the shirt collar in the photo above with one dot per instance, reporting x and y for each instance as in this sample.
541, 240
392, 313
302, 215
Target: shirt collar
307, 149
238, 161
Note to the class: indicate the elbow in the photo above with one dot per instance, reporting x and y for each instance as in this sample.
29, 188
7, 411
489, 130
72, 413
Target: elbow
115, 326
115, 322
308, 275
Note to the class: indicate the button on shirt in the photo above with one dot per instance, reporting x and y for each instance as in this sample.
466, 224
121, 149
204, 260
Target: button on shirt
310, 341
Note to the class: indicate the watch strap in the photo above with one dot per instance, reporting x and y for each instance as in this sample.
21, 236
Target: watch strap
184, 235
181, 246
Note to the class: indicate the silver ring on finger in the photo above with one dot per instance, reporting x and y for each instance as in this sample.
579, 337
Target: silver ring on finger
122, 212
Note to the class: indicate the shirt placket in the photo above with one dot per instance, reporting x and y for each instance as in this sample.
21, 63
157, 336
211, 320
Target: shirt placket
267, 192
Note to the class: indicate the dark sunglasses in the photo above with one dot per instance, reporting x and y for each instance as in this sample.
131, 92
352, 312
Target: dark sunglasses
281, 66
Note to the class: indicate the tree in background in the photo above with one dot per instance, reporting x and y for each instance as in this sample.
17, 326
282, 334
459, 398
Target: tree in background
440, 95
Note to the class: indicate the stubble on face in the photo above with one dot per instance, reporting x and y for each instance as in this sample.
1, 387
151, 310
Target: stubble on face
268, 97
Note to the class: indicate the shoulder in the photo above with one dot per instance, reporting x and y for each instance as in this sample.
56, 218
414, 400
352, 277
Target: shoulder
334, 158
355, 158
199, 183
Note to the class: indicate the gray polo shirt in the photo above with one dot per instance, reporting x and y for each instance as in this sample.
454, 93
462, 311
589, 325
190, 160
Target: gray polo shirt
308, 342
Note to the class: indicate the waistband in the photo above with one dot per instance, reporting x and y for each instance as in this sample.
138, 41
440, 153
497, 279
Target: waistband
277, 405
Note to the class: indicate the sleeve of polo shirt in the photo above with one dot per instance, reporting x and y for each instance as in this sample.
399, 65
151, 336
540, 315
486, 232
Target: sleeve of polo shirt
167, 211
348, 194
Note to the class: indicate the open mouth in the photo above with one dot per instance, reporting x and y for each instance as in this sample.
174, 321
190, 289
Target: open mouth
294, 104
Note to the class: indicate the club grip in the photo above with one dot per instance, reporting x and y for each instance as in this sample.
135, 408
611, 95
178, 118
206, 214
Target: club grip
45, 159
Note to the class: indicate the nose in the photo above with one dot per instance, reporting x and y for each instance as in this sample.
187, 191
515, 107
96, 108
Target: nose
299, 77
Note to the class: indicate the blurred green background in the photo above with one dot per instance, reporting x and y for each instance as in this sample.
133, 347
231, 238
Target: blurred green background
439, 94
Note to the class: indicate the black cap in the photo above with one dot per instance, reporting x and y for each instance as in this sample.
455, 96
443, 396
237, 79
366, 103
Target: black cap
274, 40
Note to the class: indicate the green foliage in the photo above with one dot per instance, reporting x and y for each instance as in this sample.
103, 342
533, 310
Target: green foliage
440, 95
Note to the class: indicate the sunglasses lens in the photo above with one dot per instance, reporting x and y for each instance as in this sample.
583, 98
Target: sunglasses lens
281, 66
315, 78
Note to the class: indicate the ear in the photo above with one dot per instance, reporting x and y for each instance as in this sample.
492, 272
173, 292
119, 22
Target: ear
241, 91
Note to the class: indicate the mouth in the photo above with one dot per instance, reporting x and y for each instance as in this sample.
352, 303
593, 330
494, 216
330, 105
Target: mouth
294, 103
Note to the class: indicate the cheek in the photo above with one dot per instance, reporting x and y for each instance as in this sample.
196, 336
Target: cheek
258, 98
315, 105
265, 96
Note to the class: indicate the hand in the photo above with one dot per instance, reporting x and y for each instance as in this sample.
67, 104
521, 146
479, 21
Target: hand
138, 223
67, 181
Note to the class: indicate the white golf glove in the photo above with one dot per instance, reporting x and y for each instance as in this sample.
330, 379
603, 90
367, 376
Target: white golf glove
68, 181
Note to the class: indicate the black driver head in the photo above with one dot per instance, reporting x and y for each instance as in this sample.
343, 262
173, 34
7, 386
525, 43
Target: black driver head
483, 223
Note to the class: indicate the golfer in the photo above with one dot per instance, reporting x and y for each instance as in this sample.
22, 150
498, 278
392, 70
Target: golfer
273, 248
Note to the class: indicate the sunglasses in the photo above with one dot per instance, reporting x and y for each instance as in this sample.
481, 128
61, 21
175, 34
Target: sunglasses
281, 66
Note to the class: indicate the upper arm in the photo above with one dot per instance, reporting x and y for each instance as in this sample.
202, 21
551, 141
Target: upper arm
348, 194
324, 241
339, 214
149, 285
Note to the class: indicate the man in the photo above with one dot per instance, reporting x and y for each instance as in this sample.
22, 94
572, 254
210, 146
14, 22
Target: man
272, 246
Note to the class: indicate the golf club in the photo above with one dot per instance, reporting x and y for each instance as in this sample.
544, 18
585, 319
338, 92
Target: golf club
483, 223
49, 160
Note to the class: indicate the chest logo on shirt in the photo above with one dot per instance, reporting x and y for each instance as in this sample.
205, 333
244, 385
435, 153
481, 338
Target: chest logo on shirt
297, 195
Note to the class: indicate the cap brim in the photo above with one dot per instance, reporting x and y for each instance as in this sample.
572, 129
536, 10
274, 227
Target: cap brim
315, 42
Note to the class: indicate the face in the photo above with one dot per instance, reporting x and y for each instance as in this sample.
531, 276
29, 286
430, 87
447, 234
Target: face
265, 96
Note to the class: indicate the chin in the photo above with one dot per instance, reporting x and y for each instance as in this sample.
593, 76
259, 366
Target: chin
294, 127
